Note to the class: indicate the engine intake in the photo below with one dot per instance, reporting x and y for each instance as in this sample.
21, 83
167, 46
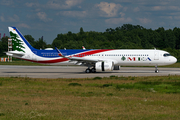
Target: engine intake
104, 66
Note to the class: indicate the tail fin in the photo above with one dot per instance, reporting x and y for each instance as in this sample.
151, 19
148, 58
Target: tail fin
19, 43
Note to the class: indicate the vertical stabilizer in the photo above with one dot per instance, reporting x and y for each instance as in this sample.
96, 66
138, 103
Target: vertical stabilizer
19, 43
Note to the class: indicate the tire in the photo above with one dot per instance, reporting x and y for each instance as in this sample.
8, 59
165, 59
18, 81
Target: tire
93, 70
87, 71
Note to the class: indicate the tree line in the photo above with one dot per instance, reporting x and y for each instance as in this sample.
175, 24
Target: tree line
127, 36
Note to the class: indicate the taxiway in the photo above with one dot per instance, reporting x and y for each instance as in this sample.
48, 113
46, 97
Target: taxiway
78, 71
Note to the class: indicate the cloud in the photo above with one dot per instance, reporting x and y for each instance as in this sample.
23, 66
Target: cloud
170, 18
157, 8
73, 13
136, 9
7, 2
177, 17
162, 8
147, 2
43, 17
23, 25
144, 20
14, 18
31, 4
56, 4
108, 9
2, 18
53, 4
166, 17
118, 20
122, 14
71, 3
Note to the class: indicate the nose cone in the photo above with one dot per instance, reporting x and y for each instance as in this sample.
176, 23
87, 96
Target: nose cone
173, 60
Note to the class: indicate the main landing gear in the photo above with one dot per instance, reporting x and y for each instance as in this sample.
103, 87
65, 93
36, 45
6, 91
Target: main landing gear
88, 70
156, 69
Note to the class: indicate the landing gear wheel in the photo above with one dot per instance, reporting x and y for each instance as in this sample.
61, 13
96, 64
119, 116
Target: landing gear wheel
93, 70
87, 71
156, 71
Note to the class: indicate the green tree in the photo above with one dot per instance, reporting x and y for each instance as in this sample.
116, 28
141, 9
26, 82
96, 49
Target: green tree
171, 39
81, 31
177, 36
30, 39
3, 46
1, 49
40, 44
162, 41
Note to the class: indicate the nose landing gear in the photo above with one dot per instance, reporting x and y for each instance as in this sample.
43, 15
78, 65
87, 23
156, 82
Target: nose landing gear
156, 69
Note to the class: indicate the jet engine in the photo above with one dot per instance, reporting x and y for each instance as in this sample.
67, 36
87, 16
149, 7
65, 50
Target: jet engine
104, 66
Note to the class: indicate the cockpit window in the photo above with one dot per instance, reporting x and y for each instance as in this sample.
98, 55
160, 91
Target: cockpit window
166, 55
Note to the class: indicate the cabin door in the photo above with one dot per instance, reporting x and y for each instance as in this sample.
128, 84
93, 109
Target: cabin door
156, 55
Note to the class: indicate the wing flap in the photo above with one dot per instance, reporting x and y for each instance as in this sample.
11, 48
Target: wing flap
83, 59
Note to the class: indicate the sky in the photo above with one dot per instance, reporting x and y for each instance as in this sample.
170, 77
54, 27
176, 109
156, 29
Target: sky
48, 18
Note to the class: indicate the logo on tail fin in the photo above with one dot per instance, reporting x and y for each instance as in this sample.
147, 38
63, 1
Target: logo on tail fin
17, 43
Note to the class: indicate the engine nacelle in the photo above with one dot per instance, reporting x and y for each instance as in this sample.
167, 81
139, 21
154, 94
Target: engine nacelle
104, 66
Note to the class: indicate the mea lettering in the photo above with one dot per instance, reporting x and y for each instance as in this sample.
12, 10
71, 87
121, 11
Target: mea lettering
138, 59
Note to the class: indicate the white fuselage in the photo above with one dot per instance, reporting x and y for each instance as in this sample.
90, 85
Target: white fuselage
131, 57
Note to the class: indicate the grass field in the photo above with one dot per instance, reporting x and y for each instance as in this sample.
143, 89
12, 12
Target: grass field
112, 98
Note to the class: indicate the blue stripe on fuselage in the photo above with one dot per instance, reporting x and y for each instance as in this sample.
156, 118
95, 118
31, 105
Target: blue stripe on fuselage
54, 53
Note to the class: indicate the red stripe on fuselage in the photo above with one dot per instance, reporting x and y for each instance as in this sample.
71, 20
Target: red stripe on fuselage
66, 59
91, 52
48, 61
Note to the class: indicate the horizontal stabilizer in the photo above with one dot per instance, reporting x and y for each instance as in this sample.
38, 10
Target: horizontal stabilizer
15, 53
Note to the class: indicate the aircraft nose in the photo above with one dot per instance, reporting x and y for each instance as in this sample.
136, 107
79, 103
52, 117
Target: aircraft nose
173, 60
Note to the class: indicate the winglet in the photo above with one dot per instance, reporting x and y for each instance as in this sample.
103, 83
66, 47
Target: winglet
83, 48
59, 52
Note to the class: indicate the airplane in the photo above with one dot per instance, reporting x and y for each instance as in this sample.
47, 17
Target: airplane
97, 60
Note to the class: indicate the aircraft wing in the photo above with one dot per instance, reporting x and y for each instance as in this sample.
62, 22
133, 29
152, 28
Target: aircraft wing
83, 59
79, 59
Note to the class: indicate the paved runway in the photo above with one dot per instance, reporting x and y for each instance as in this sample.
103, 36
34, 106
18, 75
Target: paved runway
78, 71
